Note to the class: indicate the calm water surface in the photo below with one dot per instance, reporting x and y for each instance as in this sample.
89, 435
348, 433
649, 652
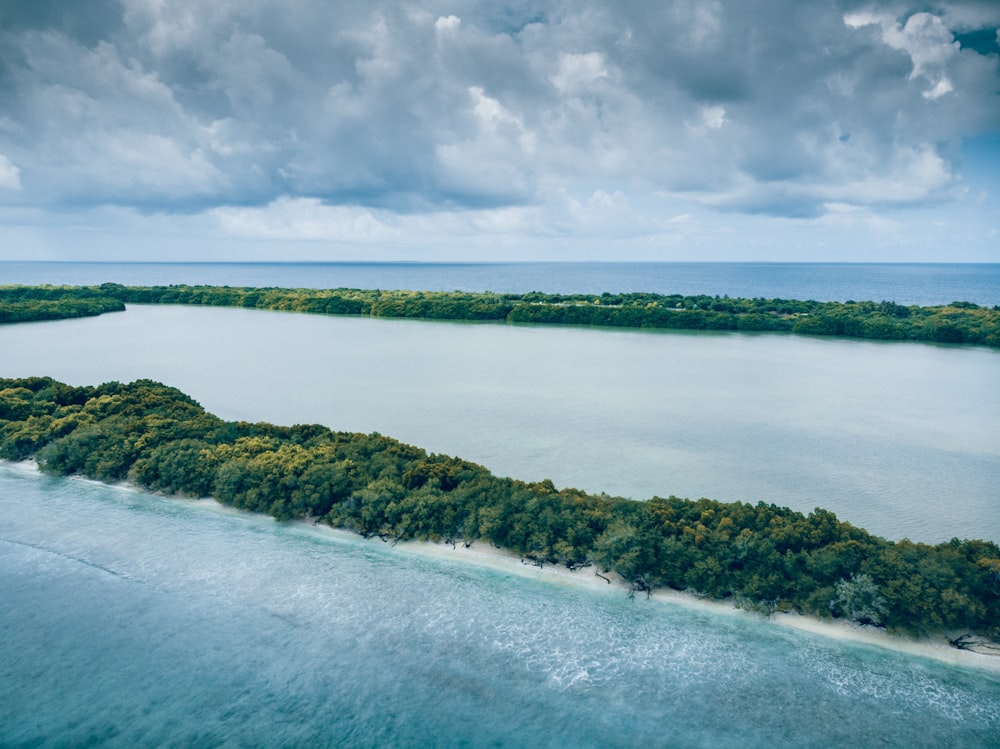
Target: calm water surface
134, 621
897, 438
904, 283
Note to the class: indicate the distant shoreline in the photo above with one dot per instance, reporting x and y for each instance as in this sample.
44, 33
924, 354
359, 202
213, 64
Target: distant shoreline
925, 284
958, 322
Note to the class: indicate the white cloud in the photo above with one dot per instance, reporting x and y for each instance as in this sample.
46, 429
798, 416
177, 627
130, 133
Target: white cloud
578, 73
702, 20
448, 23
10, 175
971, 16
710, 117
602, 200
108, 128
906, 176
496, 160
304, 219
166, 26
852, 217
924, 37
915, 174
556, 213
491, 114
539, 118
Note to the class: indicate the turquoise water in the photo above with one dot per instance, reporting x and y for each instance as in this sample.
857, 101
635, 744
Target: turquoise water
131, 620
904, 283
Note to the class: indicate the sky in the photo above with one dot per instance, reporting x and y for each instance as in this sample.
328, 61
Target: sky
341, 130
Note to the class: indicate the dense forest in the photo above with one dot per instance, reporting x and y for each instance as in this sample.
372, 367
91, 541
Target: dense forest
759, 556
958, 322
29, 303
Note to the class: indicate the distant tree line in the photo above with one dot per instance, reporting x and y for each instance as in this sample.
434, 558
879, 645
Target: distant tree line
759, 556
958, 322
29, 303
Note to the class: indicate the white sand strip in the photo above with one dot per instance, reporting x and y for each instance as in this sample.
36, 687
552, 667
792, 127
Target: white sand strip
484, 555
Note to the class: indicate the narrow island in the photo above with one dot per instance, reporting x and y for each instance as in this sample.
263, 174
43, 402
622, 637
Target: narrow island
957, 323
760, 557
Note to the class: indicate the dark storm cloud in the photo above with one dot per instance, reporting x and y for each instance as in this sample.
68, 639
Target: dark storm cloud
777, 108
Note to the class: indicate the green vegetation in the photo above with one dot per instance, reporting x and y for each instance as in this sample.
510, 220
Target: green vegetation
760, 556
28, 303
959, 322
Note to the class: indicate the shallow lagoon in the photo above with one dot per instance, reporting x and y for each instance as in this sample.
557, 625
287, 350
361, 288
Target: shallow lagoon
897, 438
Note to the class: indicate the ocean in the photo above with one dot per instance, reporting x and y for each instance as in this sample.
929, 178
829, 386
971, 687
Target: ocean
924, 284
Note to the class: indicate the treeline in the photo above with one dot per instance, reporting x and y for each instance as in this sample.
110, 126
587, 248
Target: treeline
958, 322
761, 556
28, 303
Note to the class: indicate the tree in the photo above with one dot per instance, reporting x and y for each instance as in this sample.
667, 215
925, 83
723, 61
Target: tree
858, 599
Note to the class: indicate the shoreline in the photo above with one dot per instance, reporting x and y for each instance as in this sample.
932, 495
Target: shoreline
483, 555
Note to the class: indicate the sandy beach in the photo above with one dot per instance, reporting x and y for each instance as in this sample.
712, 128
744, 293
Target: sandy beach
484, 555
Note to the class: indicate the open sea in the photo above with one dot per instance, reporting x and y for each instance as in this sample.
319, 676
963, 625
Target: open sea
130, 620
925, 284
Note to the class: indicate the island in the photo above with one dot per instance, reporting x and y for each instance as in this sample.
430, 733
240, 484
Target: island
758, 556
955, 323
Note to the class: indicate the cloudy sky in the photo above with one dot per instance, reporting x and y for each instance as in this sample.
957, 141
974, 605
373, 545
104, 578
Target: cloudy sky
526, 129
